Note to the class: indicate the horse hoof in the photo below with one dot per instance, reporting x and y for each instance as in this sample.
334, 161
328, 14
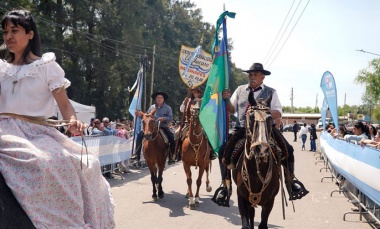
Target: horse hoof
154, 198
192, 206
160, 196
208, 188
196, 204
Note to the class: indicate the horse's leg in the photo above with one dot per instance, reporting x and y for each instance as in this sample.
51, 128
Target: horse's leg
153, 178
189, 181
266, 210
199, 183
160, 179
208, 186
245, 213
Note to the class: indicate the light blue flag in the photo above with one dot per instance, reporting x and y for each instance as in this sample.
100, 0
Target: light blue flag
136, 101
323, 113
329, 90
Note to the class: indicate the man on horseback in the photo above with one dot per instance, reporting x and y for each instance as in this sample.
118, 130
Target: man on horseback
196, 94
238, 102
164, 115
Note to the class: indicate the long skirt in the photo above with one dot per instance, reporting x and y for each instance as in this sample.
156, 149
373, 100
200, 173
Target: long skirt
44, 170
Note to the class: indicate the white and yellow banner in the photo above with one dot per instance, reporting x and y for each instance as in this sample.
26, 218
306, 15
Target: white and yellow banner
198, 68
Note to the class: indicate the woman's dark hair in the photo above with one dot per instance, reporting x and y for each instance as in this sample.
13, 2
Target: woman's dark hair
360, 125
304, 124
342, 128
24, 19
373, 128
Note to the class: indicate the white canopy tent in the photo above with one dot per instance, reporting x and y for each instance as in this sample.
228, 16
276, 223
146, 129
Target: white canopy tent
83, 112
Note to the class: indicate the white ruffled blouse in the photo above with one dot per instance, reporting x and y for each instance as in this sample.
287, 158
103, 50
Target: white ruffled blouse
27, 89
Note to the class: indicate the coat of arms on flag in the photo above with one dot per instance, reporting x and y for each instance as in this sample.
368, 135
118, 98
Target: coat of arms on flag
198, 64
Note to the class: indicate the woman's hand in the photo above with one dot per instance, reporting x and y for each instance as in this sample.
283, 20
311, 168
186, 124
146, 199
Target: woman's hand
76, 126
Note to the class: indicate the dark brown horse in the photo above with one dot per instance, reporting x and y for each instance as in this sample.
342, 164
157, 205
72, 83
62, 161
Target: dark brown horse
155, 151
196, 152
257, 171
11, 213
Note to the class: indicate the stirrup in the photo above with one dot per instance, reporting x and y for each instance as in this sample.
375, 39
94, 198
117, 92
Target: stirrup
225, 201
298, 195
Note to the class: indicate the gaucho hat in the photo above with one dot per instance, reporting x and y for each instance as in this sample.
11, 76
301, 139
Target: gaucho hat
257, 67
197, 89
154, 95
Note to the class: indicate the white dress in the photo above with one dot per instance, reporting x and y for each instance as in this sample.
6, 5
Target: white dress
40, 165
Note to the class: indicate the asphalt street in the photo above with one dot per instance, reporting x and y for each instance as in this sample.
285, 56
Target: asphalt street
136, 209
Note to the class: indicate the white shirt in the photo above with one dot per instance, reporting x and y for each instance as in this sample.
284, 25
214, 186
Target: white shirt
27, 89
274, 105
304, 130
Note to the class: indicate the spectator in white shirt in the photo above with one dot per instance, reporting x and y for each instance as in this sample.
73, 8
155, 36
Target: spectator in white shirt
303, 135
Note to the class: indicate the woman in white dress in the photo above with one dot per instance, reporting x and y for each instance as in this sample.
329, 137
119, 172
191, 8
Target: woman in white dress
55, 186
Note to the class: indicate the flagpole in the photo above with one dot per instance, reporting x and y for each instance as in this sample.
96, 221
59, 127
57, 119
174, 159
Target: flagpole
136, 117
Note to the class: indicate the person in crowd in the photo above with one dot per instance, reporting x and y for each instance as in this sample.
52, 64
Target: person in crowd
303, 135
281, 127
313, 137
375, 142
90, 127
196, 94
41, 166
108, 126
371, 132
296, 128
331, 128
128, 130
342, 131
100, 129
164, 115
360, 131
238, 103
120, 131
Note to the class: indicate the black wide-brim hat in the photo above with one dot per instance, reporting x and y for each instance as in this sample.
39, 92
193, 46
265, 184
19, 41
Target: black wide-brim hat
198, 89
257, 67
154, 95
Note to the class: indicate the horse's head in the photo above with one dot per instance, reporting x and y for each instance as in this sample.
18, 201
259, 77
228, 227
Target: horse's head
149, 126
195, 108
259, 128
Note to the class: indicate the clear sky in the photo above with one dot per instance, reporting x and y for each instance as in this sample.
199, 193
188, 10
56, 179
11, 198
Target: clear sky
325, 38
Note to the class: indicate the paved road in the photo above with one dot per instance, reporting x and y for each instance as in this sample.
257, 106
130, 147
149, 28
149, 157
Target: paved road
135, 209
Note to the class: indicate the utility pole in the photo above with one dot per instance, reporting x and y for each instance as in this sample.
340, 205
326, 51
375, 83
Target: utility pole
152, 80
291, 101
144, 66
316, 102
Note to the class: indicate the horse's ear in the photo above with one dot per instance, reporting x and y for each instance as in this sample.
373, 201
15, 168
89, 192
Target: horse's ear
251, 99
153, 112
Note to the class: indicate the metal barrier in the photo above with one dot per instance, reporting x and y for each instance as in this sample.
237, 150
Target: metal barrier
113, 152
360, 192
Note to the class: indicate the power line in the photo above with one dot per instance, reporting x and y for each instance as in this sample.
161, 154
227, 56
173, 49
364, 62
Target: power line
289, 33
283, 33
361, 50
278, 32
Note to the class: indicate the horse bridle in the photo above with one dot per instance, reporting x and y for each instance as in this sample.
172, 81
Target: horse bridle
157, 130
260, 112
196, 146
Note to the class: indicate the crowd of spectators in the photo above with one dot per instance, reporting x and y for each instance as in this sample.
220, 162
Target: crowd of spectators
362, 133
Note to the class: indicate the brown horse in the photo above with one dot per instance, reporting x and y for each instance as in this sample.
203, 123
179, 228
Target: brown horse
196, 152
155, 151
257, 172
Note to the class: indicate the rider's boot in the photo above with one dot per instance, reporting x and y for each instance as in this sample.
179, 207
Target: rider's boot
295, 189
212, 154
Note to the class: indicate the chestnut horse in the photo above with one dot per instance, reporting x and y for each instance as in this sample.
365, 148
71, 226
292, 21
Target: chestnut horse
257, 171
196, 152
155, 151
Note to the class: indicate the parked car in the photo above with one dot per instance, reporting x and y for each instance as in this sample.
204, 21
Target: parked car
288, 128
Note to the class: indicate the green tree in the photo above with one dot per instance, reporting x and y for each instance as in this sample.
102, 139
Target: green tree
370, 77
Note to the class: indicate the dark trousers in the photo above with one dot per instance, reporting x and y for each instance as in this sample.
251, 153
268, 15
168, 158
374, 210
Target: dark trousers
295, 136
231, 133
313, 146
170, 137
